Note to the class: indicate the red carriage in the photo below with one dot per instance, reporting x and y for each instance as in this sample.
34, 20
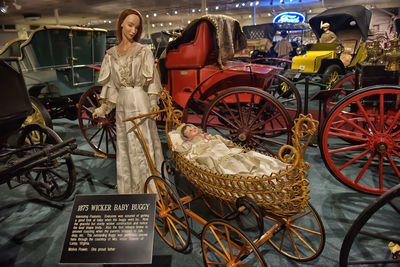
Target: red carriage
248, 103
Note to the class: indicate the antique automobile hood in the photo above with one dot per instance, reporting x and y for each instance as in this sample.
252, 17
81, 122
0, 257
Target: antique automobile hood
342, 18
311, 61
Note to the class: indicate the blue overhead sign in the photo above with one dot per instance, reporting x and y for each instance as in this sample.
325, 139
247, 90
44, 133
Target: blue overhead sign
289, 17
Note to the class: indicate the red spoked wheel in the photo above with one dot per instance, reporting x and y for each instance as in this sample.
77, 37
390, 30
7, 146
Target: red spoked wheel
99, 132
285, 92
347, 82
360, 139
250, 117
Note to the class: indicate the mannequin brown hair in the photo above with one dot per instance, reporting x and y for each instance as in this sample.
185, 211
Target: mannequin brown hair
121, 19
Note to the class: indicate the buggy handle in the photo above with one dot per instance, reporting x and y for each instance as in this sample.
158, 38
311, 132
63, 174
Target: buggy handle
146, 149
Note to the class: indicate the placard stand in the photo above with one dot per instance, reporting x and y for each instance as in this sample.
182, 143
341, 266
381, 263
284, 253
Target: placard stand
110, 229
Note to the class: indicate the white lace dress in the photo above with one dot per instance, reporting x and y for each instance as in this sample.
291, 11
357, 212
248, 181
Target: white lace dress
127, 81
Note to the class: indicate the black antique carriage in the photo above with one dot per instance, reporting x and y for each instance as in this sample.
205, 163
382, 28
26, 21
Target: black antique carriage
30, 154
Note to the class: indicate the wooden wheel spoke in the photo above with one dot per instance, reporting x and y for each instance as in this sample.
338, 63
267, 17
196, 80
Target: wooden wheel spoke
54, 172
239, 106
340, 132
251, 106
349, 148
222, 117
351, 122
274, 130
89, 99
371, 157
301, 216
87, 109
228, 240
304, 242
380, 171
393, 164
283, 239
266, 139
90, 126
294, 243
220, 253
382, 113
353, 160
178, 222
395, 122
258, 115
220, 242
111, 138
364, 112
175, 230
305, 229
94, 135
171, 233
230, 111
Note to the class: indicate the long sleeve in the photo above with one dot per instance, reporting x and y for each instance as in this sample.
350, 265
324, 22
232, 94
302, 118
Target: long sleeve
153, 84
108, 91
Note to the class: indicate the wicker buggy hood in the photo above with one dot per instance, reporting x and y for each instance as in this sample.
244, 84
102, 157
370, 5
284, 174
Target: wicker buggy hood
229, 37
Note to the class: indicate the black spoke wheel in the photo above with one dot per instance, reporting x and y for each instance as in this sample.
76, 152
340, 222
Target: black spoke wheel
250, 117
225, 245
54, 179
171, 220
368, 238
285, 92
99, 132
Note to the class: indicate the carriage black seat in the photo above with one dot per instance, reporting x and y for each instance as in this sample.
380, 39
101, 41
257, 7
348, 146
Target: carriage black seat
15, 104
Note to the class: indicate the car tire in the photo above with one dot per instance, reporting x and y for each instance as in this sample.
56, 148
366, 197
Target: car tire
332, 70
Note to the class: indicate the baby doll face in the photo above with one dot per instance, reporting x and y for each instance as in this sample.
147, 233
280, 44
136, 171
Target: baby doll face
191, 131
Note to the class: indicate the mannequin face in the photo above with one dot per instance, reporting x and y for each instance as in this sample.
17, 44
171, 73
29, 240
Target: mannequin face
191, 131
130, 27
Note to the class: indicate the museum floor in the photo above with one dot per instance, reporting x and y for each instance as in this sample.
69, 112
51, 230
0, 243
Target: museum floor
32, 230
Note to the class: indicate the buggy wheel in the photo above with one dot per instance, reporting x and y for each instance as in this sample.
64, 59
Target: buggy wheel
285, 92
347, 83
40, 114
373, 230
171, 220
225, 245
219, 207
99, 132
250, 117
360, 139
301, 236
331, 75
55, 179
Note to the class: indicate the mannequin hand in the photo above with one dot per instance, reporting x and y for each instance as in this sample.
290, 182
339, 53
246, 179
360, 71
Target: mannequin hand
105, 108
154, 104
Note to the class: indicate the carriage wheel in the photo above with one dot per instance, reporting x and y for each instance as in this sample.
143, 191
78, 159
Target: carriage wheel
99, 132
347, 83
301, 236
250, 117
219, 207
372, 231
331, 75
54, 179
285, 92
360, 139
40, 114
225, 245
171, 220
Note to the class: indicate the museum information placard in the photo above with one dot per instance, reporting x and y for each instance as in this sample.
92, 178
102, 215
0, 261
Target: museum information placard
110, 229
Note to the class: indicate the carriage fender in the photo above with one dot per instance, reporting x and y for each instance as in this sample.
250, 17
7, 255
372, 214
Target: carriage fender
329, 62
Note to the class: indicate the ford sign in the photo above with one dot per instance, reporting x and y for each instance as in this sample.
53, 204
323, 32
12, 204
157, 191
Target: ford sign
289, 17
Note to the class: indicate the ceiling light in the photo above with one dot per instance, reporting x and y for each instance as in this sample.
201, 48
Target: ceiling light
147, 16
282, 1
257, 3
237, 5
17, 7
155, 14
175, 12
251, 3
4, 8
217, 7
193, 10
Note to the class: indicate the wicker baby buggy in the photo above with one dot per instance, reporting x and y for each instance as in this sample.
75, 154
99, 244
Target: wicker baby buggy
280, 198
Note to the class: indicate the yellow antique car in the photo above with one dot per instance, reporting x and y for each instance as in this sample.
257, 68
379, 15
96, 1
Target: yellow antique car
330, 60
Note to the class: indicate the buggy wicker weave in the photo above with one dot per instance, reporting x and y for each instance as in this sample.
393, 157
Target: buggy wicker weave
284, 193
